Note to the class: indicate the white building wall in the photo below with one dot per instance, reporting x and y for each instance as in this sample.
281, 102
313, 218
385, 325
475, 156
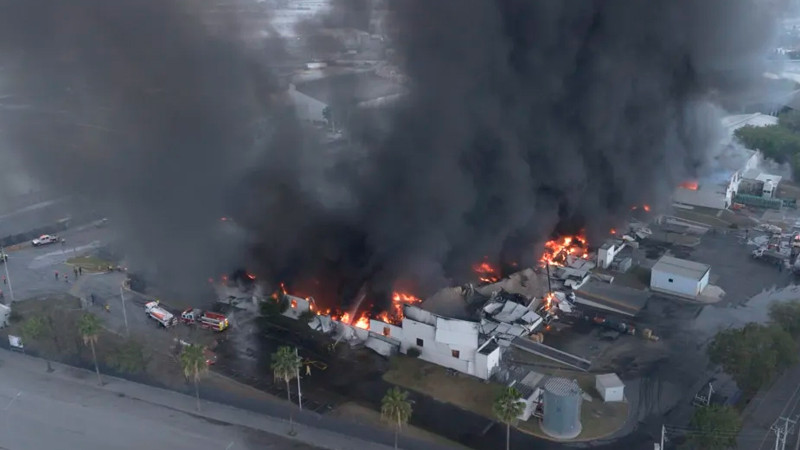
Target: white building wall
297, 306
433, 351
386, 329
485, 365
606, 256
307, 108
676, 284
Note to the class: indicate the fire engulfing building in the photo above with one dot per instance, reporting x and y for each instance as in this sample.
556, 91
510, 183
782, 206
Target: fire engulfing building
472, 347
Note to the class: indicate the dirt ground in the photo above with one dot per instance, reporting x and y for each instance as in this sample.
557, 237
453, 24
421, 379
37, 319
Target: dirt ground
366, 416
90, 263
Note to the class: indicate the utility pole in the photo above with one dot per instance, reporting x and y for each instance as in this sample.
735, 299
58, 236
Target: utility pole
549, 286
660, 446
124, 313
8, 277
782, 428
297, 372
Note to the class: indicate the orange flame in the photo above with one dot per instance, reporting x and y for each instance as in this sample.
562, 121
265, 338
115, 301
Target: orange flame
691, 185
362, 322
613, 231
557, 251
646, 208
486, 273
251, 276
283, 287
548, 300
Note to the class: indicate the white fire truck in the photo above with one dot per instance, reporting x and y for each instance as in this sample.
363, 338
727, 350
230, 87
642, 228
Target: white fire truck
161, 315
205, 319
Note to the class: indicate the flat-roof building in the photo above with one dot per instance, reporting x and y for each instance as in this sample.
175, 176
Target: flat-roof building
679, 277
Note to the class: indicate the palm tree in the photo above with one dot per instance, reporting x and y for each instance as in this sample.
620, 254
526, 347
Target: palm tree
507, 407
193, 362
396, 409
286, 366
89, 329
34, 329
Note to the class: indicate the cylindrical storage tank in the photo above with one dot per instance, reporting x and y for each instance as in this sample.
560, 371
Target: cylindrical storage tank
562, 408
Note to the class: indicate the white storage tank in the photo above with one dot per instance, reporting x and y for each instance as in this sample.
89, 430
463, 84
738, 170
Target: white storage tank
562, 408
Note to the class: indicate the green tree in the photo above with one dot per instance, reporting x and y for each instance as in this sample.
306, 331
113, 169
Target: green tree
777, 142
790, 120
507, 407
34, 329
286, 366
714, 427
787, 316
193, 363
753, 355
127, 358
89, 329
396, 409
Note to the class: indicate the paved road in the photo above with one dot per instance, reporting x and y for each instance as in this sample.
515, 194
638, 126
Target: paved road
67, 409
32, 269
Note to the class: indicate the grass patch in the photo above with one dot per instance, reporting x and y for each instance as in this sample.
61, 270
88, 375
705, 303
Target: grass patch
366, 416
462, 390
90, 263
598, 419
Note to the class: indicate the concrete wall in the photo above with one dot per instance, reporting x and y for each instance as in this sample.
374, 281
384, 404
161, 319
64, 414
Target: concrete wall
297, 306
677, 285
385, 329
485, 365
307, 108
433, 351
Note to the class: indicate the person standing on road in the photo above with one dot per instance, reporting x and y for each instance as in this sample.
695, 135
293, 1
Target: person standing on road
80, 270
56, 275
75, 271
92, 297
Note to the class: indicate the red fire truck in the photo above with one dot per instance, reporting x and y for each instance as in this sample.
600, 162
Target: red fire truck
205, 319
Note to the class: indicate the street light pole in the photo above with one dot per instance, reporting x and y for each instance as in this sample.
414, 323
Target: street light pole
297, 372
124, 312
8, 277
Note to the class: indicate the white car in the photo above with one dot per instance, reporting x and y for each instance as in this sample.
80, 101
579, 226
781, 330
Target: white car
44, 240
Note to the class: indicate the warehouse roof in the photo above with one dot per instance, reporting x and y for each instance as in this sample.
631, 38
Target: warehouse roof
682, 267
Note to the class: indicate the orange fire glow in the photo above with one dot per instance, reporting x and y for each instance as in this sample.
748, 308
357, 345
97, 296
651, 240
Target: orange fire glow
691, 185
646, 208
362, 322
557, 251
613, 231
283, 288
548, 300
486, 273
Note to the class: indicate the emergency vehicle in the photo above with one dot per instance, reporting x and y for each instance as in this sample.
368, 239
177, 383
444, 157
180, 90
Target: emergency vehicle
161, 315
205, 319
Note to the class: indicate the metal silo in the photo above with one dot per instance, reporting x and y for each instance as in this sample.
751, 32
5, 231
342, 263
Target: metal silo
562, 408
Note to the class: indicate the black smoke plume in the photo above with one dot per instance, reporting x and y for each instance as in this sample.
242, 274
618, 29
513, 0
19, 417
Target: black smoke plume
523, 118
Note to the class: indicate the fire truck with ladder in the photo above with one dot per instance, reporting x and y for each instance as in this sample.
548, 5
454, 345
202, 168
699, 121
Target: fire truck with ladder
159, 314
205, 319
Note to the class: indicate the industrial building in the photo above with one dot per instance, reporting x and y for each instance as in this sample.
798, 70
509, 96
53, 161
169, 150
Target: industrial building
610, 387
679, 277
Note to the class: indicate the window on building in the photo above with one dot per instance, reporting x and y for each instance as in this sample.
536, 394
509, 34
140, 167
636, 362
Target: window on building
455, 353
670, 280
294, 303
387, 331
420, 343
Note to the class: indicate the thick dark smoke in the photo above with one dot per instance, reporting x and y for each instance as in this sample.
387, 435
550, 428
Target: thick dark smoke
523, 117
149, 109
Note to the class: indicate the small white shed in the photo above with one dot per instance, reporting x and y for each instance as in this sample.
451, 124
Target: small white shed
679, 277
610, 387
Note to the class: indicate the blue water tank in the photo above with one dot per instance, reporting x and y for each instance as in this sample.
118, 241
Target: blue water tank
562, 408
